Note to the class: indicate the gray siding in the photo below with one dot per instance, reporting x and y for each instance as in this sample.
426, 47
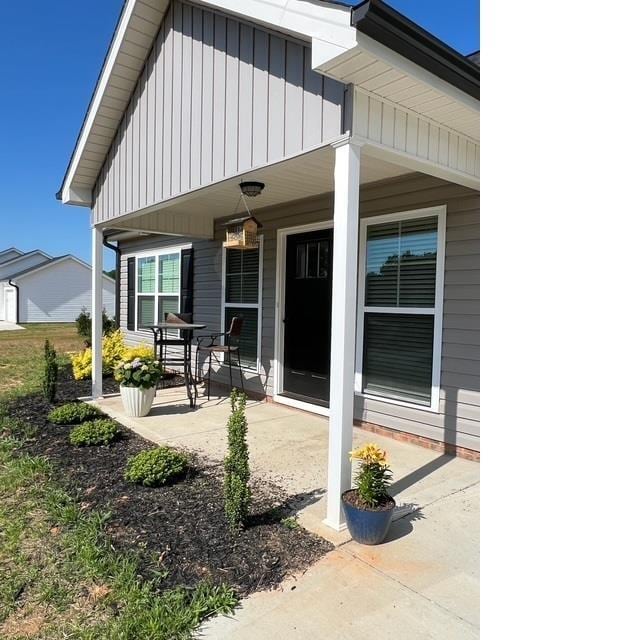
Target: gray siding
458, 423
217, 97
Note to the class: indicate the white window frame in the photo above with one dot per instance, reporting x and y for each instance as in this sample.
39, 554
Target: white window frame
441, 213
156, 253
244, 305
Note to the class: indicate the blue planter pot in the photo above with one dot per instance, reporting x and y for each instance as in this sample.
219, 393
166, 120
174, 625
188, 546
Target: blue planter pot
367, 527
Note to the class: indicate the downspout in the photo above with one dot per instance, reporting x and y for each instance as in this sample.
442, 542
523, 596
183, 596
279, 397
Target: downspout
17, 288
116, 249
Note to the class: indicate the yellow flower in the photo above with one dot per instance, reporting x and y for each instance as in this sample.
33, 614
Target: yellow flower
370, 453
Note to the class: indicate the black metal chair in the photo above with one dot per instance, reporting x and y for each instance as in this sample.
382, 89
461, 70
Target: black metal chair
225, 350
162, 341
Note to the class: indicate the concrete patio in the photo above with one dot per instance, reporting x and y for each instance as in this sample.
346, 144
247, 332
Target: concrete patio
423, 582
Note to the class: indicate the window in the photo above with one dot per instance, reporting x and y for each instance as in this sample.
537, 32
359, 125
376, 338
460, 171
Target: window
242, 297
312, 260
158, 287
401, 305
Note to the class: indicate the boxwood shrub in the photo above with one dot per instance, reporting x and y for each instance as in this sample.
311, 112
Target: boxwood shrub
95, 432
74, 413
155, 467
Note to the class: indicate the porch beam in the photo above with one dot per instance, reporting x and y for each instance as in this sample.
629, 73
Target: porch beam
343, 325
96, 311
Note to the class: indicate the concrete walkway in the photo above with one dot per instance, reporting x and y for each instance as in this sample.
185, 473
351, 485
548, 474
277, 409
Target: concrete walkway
9, 326
423, 582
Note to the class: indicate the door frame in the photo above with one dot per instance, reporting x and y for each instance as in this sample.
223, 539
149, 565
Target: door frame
10, 290
281, 266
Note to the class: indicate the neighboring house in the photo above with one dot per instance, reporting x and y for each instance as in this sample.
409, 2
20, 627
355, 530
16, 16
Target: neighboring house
362, 300
9, 254
34, 287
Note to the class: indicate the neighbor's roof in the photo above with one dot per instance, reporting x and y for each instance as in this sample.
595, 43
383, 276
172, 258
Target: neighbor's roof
332, 27
50, 263
11, 249
22, 256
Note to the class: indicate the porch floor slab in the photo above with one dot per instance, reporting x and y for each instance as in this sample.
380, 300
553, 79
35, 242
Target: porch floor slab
423, 582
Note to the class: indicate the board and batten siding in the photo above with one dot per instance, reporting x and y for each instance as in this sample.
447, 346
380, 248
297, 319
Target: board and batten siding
394, 127
216, 97
459, 420
57, 293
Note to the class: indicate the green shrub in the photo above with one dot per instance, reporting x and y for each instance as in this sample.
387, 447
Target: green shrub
50, 373
156, 467
237, 494
83, 324
95, 432
74, 413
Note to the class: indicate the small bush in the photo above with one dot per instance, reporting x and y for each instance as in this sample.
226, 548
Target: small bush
74, 413
83, 324
113, 351
237, 494
155, 467
94, 433
50, 374
142, 352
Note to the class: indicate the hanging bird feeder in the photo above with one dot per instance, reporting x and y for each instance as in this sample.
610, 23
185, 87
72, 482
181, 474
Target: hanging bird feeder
242, 233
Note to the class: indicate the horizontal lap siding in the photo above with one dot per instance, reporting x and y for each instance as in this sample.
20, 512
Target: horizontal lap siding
216, 97
58, 293
459, 420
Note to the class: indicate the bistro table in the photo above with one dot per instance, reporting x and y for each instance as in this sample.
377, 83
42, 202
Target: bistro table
162, 340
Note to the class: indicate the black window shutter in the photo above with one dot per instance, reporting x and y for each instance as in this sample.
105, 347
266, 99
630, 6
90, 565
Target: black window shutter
186, 281
131, 294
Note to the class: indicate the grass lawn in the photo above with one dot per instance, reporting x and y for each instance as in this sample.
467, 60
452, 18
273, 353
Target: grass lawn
19, 350
60, 577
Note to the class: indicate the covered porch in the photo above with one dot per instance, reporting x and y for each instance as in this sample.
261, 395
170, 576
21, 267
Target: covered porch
427, 570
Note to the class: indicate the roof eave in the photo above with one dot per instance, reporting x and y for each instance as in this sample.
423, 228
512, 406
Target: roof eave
387, 26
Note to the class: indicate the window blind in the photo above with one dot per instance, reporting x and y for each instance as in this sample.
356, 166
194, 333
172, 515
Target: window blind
398, 350
242, 276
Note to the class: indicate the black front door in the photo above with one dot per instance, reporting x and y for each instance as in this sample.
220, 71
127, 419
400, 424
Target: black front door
307, 316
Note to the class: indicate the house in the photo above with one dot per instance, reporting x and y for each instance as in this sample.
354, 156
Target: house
361, 300
35, 287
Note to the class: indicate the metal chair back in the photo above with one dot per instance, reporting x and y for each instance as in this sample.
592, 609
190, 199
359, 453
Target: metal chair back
235, 328
178, 318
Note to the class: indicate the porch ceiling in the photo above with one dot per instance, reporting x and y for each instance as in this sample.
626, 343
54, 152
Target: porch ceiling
305, 176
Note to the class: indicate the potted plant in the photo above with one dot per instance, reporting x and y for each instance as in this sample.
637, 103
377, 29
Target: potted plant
368, 508
138, 378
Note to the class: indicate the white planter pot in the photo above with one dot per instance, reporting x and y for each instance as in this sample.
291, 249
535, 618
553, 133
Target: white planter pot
137, 402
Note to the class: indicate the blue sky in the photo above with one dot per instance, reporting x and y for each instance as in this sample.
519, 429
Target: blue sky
48, 68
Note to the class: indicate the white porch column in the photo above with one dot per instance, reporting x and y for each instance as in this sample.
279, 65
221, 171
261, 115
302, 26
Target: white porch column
343, 325
96, 312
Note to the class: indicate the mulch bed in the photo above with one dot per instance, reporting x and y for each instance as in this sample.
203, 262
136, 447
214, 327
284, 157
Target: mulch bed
182, 526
